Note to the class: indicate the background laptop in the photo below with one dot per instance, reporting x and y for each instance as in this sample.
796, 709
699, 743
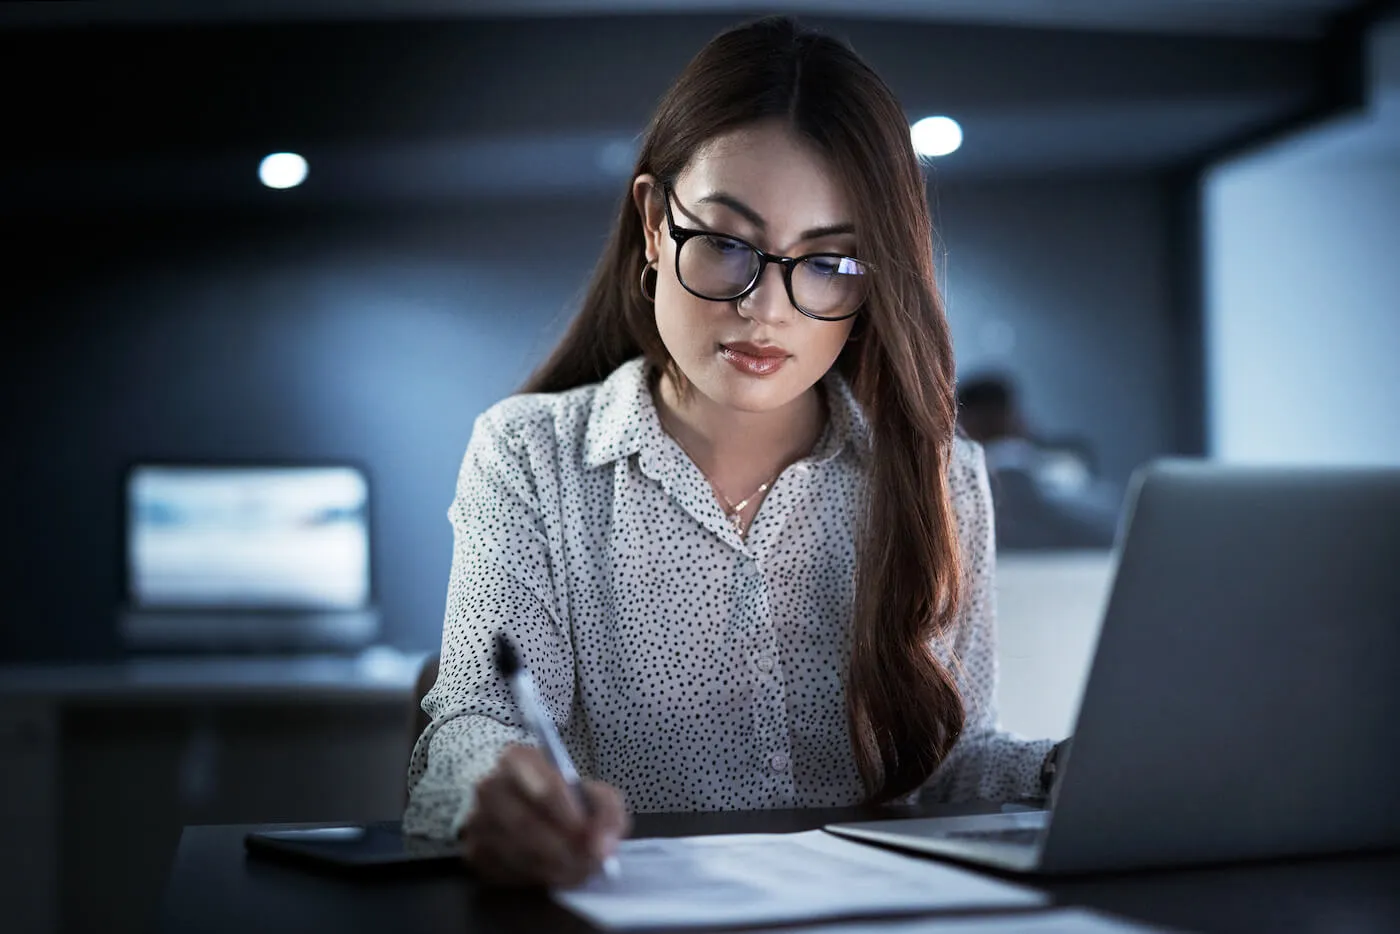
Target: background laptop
262, 558
1243, 700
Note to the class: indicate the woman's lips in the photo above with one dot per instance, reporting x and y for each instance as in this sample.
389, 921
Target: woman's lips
753, 359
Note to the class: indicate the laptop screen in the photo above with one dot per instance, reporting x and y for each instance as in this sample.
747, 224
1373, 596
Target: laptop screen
254, 538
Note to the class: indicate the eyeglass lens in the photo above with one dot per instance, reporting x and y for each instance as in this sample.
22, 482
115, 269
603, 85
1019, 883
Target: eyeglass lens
721, 268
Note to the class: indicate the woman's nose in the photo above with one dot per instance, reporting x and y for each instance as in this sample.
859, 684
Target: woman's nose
768, 302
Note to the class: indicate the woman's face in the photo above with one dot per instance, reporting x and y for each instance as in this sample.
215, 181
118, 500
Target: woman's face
763, 185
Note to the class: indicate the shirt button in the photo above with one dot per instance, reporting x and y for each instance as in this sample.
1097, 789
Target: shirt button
765, 663
779, 761
751, 570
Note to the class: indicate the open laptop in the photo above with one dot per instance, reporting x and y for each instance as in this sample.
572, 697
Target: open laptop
267, 558
1244, 698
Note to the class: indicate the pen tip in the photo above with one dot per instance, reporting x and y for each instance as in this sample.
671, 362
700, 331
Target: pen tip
506, 661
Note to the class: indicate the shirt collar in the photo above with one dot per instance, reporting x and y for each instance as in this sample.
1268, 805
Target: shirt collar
623, 419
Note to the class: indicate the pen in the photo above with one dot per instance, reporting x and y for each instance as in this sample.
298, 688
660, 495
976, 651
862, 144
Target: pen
541, 726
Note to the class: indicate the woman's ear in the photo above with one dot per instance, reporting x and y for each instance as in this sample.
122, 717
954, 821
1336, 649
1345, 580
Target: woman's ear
646, 195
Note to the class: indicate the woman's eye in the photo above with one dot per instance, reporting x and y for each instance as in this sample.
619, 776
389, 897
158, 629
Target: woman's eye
834, 266
723, 245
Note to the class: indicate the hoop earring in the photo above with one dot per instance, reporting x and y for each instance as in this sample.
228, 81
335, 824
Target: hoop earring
649, 267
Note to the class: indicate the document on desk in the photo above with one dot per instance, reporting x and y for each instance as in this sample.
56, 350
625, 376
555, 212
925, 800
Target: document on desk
751, 879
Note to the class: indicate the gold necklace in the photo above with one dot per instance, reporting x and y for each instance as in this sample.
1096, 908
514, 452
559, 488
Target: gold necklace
733, 511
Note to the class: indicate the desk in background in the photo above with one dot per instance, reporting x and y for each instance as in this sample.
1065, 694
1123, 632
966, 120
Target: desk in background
215, 888
102, 765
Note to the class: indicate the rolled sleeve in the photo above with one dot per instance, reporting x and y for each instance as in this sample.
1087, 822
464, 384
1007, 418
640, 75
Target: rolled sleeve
500, 582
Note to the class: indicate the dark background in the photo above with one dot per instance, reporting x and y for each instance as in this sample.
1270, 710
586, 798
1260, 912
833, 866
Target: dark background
1174, 222
158, 302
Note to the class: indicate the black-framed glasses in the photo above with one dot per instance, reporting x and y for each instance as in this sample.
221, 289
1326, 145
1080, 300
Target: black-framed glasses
721, 268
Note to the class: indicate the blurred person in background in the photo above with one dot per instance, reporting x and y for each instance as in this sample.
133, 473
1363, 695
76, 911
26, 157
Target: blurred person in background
1045, 495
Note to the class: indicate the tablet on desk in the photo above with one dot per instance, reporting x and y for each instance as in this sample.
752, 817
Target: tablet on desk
361, 849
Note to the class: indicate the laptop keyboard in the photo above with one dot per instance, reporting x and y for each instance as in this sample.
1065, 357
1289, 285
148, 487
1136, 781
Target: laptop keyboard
1003, 835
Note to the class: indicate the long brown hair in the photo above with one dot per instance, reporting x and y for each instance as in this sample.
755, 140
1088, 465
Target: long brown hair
903, 705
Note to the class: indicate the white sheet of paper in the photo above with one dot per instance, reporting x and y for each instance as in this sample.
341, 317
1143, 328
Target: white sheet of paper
747, 879
1053, 921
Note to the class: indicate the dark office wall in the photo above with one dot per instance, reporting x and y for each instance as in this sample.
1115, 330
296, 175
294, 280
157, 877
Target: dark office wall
1063, 284
373, 340
380, 338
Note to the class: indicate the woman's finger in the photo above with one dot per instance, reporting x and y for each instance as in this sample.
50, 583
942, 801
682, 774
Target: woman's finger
478, 838
540, 783
609, 821
512, 837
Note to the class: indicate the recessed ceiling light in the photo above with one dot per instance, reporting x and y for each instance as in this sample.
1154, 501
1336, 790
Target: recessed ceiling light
936, 136
282, 170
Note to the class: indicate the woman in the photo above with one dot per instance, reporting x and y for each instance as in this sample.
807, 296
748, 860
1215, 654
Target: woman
729, 526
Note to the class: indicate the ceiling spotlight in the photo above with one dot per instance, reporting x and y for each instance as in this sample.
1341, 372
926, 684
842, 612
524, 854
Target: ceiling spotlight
936, 136
282, 170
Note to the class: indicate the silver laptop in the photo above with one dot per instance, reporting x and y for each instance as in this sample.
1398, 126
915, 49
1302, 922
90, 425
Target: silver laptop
248, 557
1244, 698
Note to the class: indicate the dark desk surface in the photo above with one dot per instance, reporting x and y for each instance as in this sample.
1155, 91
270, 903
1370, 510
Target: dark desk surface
213, 887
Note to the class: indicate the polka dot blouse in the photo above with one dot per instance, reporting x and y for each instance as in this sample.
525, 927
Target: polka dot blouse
689, 667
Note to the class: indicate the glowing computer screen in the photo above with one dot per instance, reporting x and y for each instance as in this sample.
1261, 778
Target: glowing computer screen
239, 537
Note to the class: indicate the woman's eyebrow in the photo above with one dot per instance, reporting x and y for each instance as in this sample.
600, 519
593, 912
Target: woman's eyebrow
753, 217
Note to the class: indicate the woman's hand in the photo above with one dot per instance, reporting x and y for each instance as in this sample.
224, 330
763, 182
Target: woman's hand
1054, 769
528, 829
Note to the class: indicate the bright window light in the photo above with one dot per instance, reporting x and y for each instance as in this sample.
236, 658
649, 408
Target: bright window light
936, 136
282, 170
